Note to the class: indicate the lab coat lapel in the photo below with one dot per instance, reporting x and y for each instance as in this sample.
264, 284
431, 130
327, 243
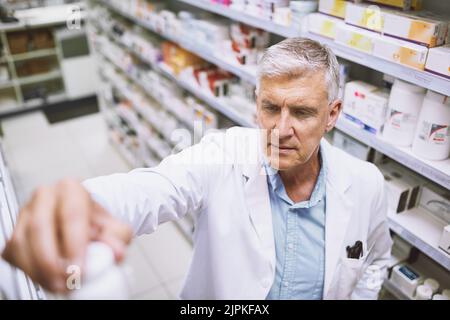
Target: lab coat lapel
338, 213
258, 203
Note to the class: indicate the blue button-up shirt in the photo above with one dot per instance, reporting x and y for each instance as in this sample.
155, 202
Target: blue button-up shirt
299, 231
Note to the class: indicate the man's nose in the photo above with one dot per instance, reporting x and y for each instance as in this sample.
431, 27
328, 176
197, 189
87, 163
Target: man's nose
285, 125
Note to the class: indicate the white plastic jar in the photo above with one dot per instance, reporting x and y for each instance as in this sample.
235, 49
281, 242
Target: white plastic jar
432, 138
405, 103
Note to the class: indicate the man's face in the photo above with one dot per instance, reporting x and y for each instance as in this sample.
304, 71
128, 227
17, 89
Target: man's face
295, 112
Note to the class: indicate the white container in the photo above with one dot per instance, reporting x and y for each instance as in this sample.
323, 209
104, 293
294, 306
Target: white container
432, 138
432, 283
405, 103
423, 293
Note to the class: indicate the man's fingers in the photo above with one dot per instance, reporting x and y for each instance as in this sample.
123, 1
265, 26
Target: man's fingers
73, 210
110, 225
111, 231
42, 240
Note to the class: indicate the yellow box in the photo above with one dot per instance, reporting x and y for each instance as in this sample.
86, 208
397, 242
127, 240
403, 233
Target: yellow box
401, 52
421, 28
323, 25
334, 8
364, 16
398, 4
355, 38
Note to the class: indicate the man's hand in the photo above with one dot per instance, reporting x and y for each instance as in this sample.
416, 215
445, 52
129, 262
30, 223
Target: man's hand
54, 229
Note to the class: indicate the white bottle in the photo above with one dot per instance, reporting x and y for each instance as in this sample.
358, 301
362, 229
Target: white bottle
423, 293
103, 278
405, 103
432, 283
432, 138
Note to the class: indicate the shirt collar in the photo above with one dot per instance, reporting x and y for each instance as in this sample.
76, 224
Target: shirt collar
277, 186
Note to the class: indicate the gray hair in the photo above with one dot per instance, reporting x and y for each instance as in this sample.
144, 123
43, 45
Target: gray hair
294, 56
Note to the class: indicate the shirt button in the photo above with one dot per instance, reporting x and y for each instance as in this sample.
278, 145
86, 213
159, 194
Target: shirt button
285, 284
291, 246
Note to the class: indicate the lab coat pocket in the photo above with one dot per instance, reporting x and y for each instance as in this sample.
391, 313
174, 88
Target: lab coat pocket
350, 273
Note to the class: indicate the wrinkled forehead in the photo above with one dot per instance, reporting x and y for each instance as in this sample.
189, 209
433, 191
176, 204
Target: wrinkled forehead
289, 88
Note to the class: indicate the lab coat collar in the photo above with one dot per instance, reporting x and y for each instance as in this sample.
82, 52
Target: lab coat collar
338, 211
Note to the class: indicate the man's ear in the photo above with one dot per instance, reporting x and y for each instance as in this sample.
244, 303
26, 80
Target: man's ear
334, 111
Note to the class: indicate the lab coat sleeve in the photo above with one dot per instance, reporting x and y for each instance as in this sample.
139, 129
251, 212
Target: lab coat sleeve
380, 242
147, 197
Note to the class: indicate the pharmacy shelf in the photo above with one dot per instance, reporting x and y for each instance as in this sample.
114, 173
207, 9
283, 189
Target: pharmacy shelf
437, 171
6, 85
421, 230
420, 78
34, 54
218, 104
243, 17
394, 290
215, 103
51, 99
245, 73
40, 77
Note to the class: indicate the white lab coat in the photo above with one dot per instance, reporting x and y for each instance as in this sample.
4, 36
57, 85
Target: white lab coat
227, 194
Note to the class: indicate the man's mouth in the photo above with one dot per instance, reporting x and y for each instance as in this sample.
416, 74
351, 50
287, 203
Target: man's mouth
283, 149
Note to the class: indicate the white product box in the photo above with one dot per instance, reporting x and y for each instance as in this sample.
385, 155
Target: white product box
435, 200
404, 176
426, 29
438, 61
376, 109
444, 243
323, 25
397, 192
355, 100
335, 8
406, 279
356, 38
401, 52
364, 16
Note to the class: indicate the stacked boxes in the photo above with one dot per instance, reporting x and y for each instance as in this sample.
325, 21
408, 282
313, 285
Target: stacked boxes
402, 37
248, 43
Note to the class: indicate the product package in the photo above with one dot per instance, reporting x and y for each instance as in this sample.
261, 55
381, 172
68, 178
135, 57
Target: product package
356, 38
438, 61
424, 29
334, 8
401, 52
397, 4
323, 25
363, 16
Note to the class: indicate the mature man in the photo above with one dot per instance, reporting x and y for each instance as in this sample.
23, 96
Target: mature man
289, 218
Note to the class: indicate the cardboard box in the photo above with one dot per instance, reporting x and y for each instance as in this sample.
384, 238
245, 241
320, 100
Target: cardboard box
402, 175
375, 111
42, 39
356, 38
364, 16
438, 61
334, 8
355, 100
18, 42
323, 25
401, 52
424, 28
397, 4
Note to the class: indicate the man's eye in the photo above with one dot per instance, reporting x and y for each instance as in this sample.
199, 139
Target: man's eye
270, 108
